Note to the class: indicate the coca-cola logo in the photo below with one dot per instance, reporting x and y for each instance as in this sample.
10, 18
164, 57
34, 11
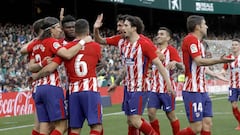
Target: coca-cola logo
20, 104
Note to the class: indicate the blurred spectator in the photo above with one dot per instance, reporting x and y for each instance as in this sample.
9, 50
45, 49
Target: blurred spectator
13, 65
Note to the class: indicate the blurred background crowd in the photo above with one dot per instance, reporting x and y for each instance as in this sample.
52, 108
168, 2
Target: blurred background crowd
13, 66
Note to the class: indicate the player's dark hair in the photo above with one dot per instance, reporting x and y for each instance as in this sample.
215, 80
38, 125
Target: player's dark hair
82, 27
48, 23
192, 21
37, 26
68, 18
122, 17
137, 22
236, 39
167, 30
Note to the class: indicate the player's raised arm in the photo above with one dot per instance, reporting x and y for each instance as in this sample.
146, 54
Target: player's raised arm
98, 23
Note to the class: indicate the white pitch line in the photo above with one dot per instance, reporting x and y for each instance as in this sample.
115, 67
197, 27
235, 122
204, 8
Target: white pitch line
24, 126
118, 113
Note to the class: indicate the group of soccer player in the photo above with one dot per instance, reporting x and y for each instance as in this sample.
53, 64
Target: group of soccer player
146, 75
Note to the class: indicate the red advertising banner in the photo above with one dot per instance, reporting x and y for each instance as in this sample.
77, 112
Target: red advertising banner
116, 96
16, 103
21, 103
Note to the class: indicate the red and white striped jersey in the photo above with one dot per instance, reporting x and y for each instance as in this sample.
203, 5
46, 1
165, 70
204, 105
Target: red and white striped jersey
234, 71
136, 61
29, 50
47, 48
117, 41
157, 81
114, 40
195, 75
81, 69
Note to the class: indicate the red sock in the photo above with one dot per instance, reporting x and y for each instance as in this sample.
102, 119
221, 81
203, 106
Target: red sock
55, 132
133, 131
95, 132
156, 126
147, 129
35, 132
205, 132
175, 127
70, 133
236, 114
102, 132
186, 131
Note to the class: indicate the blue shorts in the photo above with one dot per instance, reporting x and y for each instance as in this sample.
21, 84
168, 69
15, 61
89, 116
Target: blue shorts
124, 96
233, 94
197, 105
33, 95
161, 101
135, 102
49, 102
66, 102
84, 105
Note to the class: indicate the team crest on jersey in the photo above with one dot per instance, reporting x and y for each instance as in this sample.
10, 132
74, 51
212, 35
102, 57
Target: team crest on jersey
56, 45
129, 61
193, 48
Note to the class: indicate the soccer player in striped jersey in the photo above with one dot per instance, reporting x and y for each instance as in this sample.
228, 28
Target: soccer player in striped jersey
159, 97
84, 96
138, 54
198, 105
49, 88
234, 88
82, 81
115, 40
27, 49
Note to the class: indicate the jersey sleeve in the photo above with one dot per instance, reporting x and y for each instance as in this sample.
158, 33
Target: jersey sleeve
174, 55
57, 59
148, 48
192, 46
113, 40
98, 51
70, 44
54, 45
30, 47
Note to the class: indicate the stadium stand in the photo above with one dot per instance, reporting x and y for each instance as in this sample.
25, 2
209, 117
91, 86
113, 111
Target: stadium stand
13, 70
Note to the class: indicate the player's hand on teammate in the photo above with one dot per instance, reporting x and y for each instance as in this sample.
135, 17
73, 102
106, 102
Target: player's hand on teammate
48, 59
160, 55
34, 76
225, 59
149, 73
30, 81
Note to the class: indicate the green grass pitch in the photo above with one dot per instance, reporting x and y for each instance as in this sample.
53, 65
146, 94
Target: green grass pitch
114, 121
